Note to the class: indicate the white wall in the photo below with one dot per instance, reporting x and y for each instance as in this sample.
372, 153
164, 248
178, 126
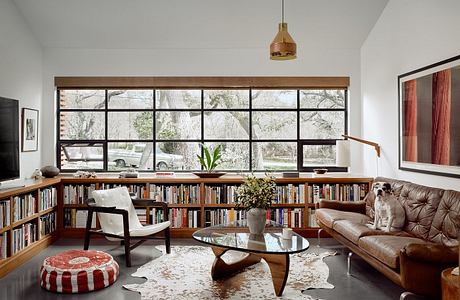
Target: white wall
408, 35
197, 62
20, 71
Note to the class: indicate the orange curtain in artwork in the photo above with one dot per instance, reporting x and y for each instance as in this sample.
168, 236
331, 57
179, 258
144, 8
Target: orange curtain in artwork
410, 120
440, 138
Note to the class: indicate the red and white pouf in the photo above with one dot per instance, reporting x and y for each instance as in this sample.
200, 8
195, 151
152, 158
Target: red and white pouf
78, 271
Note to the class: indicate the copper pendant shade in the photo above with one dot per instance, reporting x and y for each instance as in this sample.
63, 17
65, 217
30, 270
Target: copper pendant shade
283, 46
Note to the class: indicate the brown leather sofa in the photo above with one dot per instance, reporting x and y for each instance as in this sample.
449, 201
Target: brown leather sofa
412, 258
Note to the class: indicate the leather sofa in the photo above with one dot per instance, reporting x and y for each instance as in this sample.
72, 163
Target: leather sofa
412, 258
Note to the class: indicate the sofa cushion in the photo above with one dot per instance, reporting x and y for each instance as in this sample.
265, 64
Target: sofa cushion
420, 203
396, 185
328, 216
353, 231
386, 248
444, 228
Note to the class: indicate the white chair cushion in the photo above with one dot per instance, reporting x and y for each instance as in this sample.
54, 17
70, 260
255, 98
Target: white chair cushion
149, 229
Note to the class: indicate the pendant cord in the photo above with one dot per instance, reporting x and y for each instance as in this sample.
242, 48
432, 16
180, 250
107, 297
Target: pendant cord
282, 11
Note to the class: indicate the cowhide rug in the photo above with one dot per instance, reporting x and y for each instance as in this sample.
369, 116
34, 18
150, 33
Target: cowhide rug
186, 274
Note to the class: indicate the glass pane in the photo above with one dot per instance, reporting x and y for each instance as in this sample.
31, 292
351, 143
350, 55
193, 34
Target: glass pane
179, 125
226, 125
274, 125
130, 99
318, 155
177, 156
322, 99
235, 156
274, 99
322, 124
82, 156
82, 125
82, 99
274, 156
122, 156
130, 125
178, 99
226, 99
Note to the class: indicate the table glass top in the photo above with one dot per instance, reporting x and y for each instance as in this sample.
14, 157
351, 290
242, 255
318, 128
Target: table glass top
235, 235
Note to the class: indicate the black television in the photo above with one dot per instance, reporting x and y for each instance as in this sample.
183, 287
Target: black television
9, 139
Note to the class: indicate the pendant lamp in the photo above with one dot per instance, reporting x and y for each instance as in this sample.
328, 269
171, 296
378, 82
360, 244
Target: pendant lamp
283, 46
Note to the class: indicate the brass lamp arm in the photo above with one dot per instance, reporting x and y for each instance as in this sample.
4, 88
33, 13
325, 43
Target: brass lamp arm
375, 145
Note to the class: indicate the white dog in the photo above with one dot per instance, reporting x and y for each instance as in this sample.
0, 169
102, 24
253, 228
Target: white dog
389, 214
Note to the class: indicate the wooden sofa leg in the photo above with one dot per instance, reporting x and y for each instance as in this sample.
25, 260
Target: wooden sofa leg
319, 237
349, 263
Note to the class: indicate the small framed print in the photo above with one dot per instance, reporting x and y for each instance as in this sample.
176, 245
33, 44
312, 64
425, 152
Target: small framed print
29, 130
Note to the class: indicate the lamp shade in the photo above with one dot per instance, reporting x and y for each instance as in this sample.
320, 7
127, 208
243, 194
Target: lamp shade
283, 46
342, 152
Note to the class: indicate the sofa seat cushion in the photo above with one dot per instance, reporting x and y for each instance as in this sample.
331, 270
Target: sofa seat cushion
353, 231
386, 248
328, 216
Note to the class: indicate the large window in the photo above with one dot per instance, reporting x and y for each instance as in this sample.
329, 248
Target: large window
163, 129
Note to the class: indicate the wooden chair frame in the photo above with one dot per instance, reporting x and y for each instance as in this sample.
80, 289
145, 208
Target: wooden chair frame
126, 237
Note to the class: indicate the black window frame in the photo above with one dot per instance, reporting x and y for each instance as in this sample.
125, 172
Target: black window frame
202, 110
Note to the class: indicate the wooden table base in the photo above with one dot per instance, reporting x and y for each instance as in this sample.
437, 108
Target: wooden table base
278, 264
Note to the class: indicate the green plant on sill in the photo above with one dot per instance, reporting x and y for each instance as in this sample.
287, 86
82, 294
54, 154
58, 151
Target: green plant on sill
210, 162
256, 192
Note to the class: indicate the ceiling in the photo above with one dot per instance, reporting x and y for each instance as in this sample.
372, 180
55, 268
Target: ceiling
177, 24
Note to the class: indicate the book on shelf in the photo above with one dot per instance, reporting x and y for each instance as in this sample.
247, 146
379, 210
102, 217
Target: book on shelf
156, 215
47, 198
142, 215
293, 218
183, 218
214, 217
76, 218
47, 224
290, 194
23, 236
312, 218
3, 245
23, 207
140, 190
176, 194
339, 192
220, 194
5, 213
78, 194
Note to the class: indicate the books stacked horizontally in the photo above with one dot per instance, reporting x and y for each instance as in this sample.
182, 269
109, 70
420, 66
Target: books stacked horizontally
293, 218
220, 194
5, 213
48, 198
3, 245
181, 218
47, 224
78, 194
24, 236
23, 206
176, 194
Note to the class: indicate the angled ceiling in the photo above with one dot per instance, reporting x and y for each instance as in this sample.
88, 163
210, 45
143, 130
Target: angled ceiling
152, 24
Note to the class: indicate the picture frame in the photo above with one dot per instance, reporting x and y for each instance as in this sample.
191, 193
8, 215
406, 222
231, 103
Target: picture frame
429, 119
29, 141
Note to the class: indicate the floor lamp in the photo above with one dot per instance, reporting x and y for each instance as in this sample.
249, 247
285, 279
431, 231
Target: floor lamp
343, 150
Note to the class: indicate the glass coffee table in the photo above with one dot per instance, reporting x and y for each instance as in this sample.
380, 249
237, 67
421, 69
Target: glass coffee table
269, 246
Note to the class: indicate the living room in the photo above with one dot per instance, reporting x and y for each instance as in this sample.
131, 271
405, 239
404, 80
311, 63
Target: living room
204, 74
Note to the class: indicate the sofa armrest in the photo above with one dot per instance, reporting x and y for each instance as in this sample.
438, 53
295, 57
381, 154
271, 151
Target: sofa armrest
432, 253
358, 206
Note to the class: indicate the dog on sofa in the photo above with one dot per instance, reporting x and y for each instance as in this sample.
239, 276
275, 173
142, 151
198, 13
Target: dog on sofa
389, 214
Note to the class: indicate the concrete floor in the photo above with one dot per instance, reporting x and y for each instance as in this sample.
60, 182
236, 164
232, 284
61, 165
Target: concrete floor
364, 283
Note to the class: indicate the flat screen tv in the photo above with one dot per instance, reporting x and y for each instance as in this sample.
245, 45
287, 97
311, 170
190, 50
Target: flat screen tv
9, 139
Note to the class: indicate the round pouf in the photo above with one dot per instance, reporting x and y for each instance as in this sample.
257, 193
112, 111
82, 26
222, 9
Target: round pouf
78, 271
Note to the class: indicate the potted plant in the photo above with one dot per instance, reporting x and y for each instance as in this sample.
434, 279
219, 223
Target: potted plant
209, 161
255, 196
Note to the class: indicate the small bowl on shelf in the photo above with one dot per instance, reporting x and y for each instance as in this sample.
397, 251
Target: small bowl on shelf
320, 171
209, 174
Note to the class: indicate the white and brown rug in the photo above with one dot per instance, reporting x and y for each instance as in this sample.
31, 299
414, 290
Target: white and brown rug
186, 274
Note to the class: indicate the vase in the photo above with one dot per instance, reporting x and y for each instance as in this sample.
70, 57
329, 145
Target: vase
256, 220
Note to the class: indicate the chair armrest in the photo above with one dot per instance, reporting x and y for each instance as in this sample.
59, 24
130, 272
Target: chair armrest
358, 206
104, 209
431, 253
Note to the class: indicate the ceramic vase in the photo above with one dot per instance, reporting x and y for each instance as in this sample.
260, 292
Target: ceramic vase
256, 220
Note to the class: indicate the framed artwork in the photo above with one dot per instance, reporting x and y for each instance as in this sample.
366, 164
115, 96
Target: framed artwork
429, 119
29, 130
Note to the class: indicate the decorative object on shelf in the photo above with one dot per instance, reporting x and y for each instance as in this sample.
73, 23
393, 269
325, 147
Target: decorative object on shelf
320, 171
130, 173
29, 130
78, 271
255, 195
290, 174
84, 174
165, 174
428, 119
36, 174
209, 162
283, 46
50, 171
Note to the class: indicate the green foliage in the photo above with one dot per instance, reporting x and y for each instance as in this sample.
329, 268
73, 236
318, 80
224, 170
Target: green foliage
256, 192
210, 162
143, 125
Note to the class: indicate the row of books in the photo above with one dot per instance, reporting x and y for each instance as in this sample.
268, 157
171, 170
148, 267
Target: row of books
5, 213
340, 192
220, 194
181, 217
23, 206
3, 245
139, 190
312, 218
78, 194
76, 218
176, 194
220, 216
290, 194
47, 224
23, 236
48, 198
287, 217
